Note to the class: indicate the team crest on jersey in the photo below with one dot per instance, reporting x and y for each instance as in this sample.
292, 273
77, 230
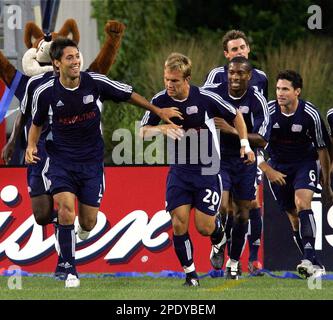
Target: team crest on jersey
296, 128
88, 99
192, 110
244, 109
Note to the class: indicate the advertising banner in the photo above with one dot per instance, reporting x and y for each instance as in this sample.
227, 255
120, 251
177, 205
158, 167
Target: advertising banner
133, 232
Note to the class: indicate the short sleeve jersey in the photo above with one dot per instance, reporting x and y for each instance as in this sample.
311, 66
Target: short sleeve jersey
75, 115
296, 137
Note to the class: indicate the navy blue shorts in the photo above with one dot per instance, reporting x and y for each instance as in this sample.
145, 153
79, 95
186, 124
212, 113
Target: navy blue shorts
86, 181
239, 178
38, 183
303, 175
202, 192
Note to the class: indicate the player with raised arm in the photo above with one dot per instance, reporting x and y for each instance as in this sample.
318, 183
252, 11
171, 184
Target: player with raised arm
70, 103
192, 182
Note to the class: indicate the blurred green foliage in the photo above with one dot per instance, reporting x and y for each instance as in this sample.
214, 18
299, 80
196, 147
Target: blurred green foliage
148, 24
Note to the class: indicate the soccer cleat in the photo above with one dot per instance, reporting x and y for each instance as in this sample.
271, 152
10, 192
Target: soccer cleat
72, 281
191, 282
232, 269
305, 269
82, 234
217, 254
255, 268
228, 270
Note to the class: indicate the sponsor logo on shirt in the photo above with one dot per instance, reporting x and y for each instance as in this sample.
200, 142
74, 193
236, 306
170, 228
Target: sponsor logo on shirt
88, 99
296, 128
77, 118
192, 110
244, 109
276, 126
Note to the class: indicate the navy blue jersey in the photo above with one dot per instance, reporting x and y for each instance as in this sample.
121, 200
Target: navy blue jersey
198, 110
20, 90
254, 109
26, 102
258, 80
296, 137
75, 115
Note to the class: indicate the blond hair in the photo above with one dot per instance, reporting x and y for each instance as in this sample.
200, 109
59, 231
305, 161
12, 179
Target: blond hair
180, 62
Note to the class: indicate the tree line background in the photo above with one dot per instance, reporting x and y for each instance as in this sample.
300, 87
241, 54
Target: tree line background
277, 29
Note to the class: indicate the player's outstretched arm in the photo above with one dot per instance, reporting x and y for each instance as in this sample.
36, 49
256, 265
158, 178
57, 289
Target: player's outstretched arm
165, 114
255, 139
33, 138
165, 129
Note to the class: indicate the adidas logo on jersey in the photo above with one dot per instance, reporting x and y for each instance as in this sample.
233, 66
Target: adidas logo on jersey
311, 184
308, 246
276, 126
211, 208
60, 103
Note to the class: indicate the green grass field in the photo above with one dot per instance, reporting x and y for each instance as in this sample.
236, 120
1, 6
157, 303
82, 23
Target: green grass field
147, 288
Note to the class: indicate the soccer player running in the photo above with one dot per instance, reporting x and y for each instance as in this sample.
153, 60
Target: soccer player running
71, 104
238, 177
192, 181
41, 199
298, 139
235, 43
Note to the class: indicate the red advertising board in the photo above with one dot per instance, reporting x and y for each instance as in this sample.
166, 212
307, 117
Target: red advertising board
3, 123
133, 232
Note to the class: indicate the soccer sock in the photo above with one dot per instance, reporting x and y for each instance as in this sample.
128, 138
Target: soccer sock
307, 232
298, 241
66, 238
57, 247
238, 233
216, 236
228, 228
255, 236
184, 251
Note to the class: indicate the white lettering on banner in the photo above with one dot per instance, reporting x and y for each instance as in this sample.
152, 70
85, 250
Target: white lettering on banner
329, 238
316, 207
134, 229
138, 230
